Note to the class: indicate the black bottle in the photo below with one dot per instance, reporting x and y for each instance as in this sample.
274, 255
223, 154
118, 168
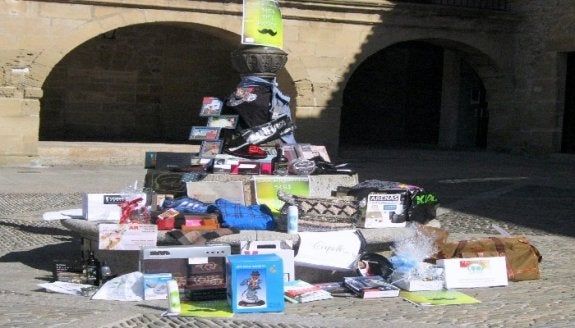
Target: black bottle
92, 270
280, 162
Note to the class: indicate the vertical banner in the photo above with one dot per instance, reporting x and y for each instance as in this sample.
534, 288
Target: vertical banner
262, 23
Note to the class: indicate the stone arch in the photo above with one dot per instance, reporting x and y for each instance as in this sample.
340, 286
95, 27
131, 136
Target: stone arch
485, 70
93, 30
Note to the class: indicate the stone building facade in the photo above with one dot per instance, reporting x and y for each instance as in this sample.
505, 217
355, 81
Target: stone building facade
360, 73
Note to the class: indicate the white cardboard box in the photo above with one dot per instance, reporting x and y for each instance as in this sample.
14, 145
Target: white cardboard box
105, 207
156, 285
415, 284
283, 249
381, 208
474, 272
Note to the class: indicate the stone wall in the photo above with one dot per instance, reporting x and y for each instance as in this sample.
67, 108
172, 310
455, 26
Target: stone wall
517, 55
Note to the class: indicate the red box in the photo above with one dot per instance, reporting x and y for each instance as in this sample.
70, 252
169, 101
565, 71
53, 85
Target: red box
166, 224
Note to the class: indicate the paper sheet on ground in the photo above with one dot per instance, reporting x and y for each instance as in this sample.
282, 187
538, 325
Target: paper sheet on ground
444, 297
215, 308
73, 213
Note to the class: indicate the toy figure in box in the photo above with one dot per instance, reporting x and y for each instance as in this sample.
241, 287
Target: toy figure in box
250, 294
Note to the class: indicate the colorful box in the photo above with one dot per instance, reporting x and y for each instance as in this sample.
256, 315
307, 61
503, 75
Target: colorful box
474, 272
156, 285
255, 283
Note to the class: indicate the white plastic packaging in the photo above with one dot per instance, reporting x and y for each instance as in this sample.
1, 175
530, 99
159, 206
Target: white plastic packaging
173, 297
292, 219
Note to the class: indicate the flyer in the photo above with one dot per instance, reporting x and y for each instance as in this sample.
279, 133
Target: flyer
266, 189
127, 236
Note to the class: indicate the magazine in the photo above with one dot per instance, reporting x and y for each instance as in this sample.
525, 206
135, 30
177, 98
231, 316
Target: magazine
299, 291
432, 297
371, 287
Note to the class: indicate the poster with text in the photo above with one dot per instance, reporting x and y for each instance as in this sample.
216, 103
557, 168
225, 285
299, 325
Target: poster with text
127, 236
266, 189
262, 23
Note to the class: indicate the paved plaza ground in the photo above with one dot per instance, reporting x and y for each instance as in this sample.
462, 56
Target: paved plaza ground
527, 195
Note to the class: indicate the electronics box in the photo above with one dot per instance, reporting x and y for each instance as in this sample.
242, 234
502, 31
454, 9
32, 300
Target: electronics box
474, 272
156, 286
385, 209
106, 207
255, 283
199, 270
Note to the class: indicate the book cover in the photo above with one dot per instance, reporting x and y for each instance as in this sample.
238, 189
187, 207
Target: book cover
444, 297
371, 286
336, 288
299, 291
211, 106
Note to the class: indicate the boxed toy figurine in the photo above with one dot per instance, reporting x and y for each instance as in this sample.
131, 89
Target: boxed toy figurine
255, 283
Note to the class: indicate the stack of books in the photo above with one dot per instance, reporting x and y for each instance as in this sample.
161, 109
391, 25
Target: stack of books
371, 287
299, 291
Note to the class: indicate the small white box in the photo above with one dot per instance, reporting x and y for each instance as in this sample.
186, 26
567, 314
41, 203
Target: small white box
284, 249
383, 209
474, 272
105, 207
156, 286
399, 280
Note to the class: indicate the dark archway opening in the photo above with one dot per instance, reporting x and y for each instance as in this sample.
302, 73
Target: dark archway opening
394, 99
568, 132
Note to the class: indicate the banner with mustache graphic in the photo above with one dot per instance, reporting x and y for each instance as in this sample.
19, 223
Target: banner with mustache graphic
262, 23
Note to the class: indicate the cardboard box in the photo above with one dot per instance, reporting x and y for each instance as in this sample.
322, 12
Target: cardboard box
385, 209
105, 207
156, 286
283, 249
255, 283
199, 270
474, 272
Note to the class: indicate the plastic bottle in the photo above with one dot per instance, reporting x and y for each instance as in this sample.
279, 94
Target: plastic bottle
174, 306
292, 219
105, 273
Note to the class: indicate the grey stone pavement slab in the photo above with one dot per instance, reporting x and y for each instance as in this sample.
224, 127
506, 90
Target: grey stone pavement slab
528, 195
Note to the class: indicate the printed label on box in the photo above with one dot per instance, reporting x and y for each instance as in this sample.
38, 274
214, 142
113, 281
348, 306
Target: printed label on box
384, 210
474, 272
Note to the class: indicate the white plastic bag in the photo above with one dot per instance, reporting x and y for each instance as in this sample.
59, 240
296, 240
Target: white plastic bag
127, 287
